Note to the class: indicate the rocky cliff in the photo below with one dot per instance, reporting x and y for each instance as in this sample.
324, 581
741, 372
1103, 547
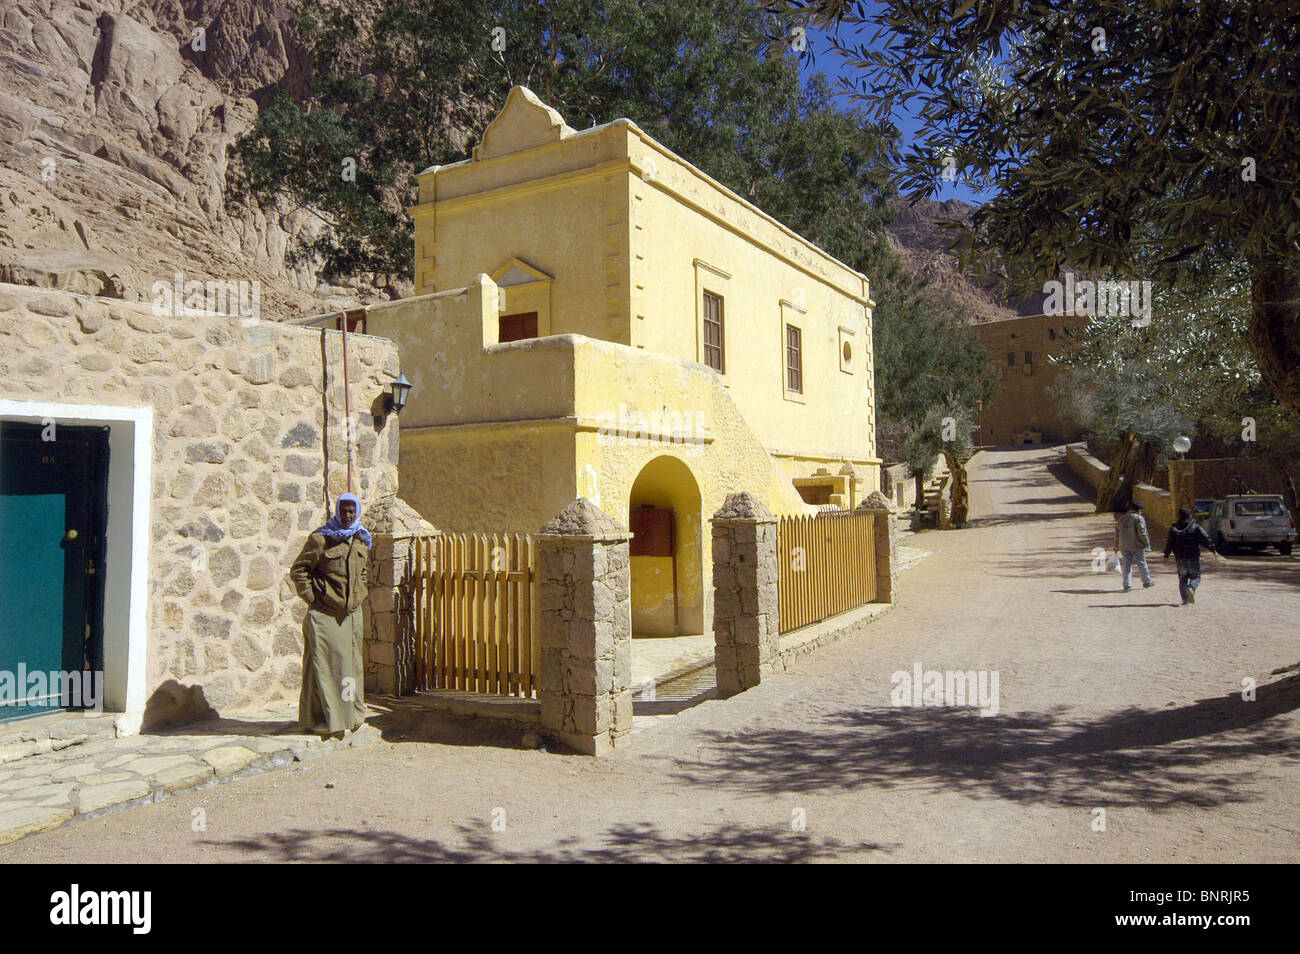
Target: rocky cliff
919, 237
114, 121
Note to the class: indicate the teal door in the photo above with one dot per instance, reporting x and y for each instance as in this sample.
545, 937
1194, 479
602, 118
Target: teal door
52, 521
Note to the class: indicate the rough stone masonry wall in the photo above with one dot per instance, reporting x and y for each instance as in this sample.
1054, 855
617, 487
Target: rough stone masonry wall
238, 469
746, 622
585, 630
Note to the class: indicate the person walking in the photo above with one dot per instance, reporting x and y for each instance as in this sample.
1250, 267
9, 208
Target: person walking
1131, 543
1186, 537
330, 576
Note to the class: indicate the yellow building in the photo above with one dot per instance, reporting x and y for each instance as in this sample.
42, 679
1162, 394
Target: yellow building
596, 317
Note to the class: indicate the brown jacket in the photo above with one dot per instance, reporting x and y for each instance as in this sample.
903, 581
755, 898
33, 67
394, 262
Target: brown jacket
331, 574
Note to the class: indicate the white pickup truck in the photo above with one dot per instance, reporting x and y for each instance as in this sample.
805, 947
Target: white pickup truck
1251, 520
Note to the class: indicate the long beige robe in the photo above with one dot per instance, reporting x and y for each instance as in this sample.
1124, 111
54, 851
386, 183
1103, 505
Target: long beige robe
330, 575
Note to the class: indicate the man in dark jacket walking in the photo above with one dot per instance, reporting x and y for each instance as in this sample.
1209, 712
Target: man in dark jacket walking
1186, 537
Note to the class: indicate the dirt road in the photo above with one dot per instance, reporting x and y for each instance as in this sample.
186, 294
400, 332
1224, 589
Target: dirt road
1123, 703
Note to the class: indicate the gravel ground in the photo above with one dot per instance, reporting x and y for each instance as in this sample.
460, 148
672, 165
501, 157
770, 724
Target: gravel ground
1124, 703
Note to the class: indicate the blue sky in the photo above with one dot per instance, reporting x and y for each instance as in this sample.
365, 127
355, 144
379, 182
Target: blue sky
833, 65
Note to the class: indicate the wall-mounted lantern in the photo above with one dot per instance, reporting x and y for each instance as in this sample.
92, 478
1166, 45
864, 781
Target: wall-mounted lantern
401, 390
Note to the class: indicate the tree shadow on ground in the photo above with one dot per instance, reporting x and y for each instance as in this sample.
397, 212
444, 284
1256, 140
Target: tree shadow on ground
640, 842
1189, 756
1026, 516
1269, 569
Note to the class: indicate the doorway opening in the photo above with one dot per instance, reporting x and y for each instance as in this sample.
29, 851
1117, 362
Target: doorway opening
667, 558
53, 520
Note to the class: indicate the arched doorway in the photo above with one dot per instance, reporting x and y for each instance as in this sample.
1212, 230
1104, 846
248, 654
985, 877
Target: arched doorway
667, 550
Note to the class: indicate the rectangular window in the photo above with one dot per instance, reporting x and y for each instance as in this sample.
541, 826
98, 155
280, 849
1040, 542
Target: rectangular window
1029, 357
1011, 358
517, 327
714, 355
793, 359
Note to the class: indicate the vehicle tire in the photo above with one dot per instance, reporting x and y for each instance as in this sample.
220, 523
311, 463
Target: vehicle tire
1223, 546
1284, 549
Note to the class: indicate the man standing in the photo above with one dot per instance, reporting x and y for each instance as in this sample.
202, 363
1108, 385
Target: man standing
1186, 537
330, 576
1131, 543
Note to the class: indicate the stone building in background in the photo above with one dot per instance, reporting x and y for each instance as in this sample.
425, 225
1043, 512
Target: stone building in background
1022, 411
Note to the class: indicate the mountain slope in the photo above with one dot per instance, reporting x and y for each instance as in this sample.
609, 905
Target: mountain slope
919, 237
113, 135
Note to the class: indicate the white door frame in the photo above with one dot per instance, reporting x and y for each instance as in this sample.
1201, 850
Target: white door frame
126, 558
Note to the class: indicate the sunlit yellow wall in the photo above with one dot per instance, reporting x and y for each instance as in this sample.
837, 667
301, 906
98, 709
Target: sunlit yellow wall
501, 437
705, 432
632, 236
500, 479
488, 438
558, 204
690, 236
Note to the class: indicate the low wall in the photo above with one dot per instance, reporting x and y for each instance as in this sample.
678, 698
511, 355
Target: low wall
1221, 476
899, 486
1085, 465
1159, 507
1159, 504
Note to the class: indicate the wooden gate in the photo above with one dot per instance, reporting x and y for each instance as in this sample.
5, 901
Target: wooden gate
476, 613
826, 564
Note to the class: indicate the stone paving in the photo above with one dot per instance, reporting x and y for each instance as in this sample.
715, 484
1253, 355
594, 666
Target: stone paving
60, 768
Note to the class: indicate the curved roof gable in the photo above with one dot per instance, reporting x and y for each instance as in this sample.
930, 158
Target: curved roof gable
523, 123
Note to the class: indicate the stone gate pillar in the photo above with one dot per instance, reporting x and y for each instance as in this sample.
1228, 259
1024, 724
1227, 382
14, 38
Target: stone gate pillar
585, 629
746, 625
886, 537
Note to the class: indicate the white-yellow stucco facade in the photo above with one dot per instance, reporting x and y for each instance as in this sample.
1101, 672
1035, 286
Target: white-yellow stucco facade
611, 241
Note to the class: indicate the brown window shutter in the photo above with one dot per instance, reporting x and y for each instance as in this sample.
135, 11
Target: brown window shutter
793, 359
714, 351
517, 327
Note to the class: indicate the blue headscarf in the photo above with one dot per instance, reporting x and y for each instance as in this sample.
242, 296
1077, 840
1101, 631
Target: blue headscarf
334, 526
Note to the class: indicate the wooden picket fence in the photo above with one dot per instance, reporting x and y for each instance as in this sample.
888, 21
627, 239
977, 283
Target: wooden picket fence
826, 564
476, 613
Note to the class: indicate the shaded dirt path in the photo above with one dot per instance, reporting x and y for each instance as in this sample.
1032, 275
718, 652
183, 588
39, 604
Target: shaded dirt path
1121, 702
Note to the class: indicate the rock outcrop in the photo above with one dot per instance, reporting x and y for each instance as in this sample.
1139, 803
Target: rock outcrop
115, 116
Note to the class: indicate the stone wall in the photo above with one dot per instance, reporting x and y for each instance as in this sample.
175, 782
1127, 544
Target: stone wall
1159, 509
585, 631
239, 471
746, 622
1159, 503
1221, 476
1085, 465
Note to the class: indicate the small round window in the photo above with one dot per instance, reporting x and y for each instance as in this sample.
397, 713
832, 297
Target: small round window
848, 352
